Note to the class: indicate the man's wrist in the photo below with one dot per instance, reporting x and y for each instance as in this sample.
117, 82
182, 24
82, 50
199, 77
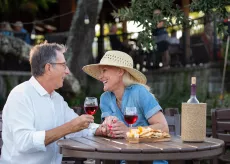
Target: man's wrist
100, 131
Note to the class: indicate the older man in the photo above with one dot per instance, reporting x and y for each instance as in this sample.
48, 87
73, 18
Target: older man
35, 116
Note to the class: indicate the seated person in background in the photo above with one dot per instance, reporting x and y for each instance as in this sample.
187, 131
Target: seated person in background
6, 29
124, 87
35, 117
18, 28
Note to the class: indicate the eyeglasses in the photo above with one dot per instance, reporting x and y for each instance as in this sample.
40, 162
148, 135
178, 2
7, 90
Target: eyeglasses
63, 64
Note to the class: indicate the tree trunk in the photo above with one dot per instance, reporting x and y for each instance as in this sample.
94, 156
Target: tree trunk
81, 37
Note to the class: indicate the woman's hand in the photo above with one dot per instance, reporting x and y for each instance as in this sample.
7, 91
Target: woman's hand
118, 130
110, 120
103, 130
105, 127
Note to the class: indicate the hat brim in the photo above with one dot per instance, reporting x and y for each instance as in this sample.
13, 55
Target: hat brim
94, 71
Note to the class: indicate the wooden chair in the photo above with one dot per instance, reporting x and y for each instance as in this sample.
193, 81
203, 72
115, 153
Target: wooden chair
171, 111
72, 160
174, 124
173, 118
221, 130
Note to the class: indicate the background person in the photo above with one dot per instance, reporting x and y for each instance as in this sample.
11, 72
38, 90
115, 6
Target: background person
35, 116
5, 29
162, 41
116, 43
18, 28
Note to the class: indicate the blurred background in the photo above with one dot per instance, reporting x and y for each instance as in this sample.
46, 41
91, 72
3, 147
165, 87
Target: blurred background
89, 30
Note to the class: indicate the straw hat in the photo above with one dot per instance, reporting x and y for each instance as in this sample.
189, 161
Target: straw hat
117, 59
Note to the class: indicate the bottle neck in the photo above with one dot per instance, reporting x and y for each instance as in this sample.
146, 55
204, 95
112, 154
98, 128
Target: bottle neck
193, 90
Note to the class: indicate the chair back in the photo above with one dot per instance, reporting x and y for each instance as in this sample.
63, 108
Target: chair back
171, 111
221, 125
174, 124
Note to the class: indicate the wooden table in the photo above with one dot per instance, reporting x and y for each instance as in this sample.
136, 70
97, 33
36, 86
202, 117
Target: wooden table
119, 149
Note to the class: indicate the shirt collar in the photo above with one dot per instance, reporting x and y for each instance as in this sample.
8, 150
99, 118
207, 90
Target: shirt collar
39, 88
129, 87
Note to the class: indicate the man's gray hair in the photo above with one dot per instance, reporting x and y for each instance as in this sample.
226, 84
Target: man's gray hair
42, 54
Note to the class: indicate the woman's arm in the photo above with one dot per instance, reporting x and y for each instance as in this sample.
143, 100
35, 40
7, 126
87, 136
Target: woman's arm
158, 121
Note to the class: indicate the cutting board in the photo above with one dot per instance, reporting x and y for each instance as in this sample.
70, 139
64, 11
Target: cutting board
146, 140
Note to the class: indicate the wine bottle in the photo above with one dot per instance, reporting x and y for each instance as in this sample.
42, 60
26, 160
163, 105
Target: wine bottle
193, 98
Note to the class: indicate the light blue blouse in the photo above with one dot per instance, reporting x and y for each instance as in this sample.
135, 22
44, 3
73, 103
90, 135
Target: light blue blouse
134, 96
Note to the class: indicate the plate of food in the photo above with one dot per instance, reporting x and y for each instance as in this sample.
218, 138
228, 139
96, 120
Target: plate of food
142, 134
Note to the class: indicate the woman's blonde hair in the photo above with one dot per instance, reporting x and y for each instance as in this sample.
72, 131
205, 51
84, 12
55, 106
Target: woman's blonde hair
129, 80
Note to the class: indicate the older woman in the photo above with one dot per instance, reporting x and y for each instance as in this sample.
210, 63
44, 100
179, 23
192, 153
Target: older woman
124, 87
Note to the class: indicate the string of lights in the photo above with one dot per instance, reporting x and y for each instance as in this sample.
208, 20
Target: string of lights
43, 20
114, 7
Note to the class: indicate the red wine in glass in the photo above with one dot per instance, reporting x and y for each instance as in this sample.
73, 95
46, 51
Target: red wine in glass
91, 109
131, 119
130, 115
90, 105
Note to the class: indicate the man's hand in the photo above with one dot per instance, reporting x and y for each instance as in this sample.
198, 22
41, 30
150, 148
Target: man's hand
77, 124
81, 122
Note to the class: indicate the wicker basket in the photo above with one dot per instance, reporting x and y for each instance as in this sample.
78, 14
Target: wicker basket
193, 122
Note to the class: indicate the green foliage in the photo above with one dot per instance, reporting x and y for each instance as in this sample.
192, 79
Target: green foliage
225, 103
212, 7
142, 12
179, 93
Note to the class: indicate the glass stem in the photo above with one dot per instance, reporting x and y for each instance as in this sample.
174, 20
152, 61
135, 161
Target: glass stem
130, 125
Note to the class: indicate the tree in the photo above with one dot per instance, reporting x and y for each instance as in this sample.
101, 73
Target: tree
141, 12
32, 6
81, 37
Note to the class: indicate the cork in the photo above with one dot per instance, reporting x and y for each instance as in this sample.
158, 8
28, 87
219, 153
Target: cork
193, 80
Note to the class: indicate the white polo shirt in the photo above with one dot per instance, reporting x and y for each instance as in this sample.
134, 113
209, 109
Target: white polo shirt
27, 114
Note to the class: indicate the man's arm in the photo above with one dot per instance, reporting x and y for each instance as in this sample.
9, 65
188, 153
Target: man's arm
75, 125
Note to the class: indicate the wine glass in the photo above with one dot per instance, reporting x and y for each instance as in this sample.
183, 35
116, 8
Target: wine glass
90, 105
130, 115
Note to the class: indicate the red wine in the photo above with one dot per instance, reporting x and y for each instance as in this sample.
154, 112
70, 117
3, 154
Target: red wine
193, 98
131, 119
91, 109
